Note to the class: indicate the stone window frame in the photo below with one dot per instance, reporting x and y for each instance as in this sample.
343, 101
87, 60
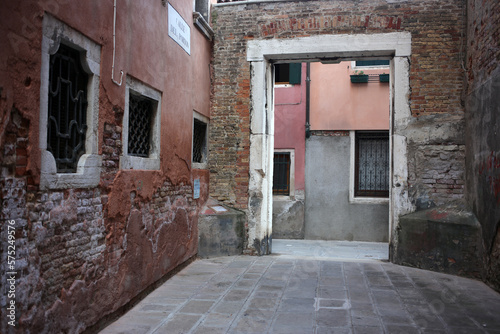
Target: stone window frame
88, 174
291, 193
204, 164
352, 177
134, 86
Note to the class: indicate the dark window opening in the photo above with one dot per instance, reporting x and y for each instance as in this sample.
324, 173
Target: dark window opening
281, 174
287, 73
376, 62
199, 141
372, 164
202, 7
140, 125
67, 111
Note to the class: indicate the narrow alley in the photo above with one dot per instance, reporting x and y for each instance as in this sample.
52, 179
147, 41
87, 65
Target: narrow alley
249, 166
309, 291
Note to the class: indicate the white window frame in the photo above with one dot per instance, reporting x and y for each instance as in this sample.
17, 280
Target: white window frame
153, 161
352, 176
204, 163
292, 172
88, 172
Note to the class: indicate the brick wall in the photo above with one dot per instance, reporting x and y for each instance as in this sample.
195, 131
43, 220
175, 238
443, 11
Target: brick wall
436, 74
82, 254
483, 127
483, 51
70, 248
438, 170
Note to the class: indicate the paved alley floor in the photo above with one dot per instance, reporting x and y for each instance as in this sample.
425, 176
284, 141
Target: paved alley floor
312, 292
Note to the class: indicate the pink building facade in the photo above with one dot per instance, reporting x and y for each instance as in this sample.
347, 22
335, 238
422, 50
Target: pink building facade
322, 178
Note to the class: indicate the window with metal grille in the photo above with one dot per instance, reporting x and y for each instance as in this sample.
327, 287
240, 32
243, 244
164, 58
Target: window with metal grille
67, 110
372, 164
199, 141
281, 174
139, 126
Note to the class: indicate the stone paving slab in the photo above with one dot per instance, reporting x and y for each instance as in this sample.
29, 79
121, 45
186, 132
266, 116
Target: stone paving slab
283, 294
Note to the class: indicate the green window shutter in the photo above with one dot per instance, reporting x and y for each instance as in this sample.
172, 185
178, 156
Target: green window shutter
376, 62
295, 72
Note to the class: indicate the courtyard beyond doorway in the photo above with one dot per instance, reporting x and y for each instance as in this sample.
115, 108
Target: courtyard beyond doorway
331, 249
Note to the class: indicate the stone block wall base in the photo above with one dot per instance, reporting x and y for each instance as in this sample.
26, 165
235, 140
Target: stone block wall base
220, 233
442, 239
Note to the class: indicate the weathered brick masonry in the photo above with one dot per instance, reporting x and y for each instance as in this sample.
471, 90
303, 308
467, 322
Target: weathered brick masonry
436, 81
83, 253
77, 256
483, 127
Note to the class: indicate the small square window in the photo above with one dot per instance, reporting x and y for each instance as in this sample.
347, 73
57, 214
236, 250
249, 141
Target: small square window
141, 127
287, 73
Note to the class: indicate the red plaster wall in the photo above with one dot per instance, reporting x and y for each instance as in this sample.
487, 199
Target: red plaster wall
83, 253
338, 104
289, 123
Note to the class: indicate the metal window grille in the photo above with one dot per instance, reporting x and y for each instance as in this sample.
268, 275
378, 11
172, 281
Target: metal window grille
199, 141
372, 164
67, 110
281, 174
139, 128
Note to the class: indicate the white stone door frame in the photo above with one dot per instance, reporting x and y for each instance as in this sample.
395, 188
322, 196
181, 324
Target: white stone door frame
262, 54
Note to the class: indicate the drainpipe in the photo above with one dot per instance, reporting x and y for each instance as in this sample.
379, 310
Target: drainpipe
114, 47
308, 95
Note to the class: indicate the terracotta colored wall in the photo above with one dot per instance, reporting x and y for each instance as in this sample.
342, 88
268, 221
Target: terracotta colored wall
289, 123
83, 253
338, 104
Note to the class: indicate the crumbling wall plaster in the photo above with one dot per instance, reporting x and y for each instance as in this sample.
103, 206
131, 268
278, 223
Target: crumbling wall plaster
83, 253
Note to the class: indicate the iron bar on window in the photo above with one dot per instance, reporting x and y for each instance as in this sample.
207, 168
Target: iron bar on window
140, 118
281, 174
372, 164
67, 110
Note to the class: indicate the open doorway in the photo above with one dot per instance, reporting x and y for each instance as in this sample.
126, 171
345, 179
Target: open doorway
331, 150
262, 54
347, 152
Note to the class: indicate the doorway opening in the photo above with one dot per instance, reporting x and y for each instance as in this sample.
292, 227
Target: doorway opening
335, 120
263, 54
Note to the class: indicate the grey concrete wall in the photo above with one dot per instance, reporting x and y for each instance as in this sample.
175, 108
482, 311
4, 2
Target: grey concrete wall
288, 217
328, 214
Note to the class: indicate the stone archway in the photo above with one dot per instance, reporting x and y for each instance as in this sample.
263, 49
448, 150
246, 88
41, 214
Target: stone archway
261, 54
